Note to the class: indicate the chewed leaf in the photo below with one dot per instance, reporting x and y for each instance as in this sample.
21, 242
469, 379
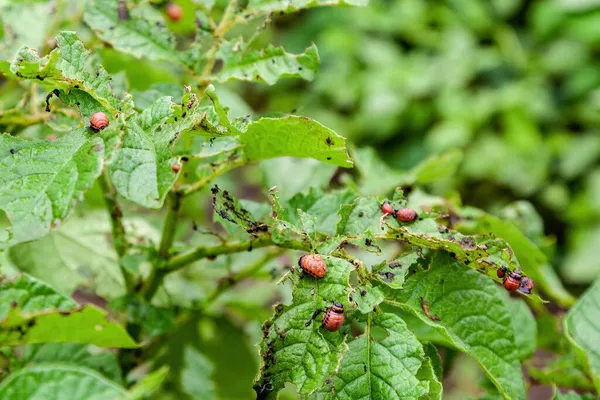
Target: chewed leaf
229, 208
469, 310
41, 180
295, 348
32, 312
268, 65
294, 136
68, 68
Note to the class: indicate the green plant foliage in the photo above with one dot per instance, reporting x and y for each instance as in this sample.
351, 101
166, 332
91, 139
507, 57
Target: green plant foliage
238, 229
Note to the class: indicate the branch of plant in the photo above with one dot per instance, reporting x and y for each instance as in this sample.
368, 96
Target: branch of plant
234, 279
118, 229
196, 186
170, 224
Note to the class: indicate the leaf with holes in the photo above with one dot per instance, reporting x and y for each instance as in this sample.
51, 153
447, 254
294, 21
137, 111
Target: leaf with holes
269, 6
32, 312
267, 65
295, 348
468, 309
41, 180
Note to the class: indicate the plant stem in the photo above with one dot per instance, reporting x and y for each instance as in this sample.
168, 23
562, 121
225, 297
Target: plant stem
196, 186
170, 225
118, 230
234, 279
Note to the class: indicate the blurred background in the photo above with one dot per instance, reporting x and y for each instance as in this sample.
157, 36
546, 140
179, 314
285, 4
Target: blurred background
508, 90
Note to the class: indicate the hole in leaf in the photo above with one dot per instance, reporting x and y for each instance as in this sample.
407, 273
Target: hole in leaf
378, 333
357, 328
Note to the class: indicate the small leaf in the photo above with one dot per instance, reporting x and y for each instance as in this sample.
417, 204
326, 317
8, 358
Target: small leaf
471, 314
294, 136
32, 312
582, 330
41, 180
154, 320
268, 65
381, 368
367, 298
148, 385
431, 371
56, 382
394, 272
229, 208
268, 6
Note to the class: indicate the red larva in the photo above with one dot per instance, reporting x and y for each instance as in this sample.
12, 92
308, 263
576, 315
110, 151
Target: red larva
501, 272
174, 12
387, 208
406, 215
512, 282
526, 285
176, 167
99, 121
313, 265
334, 317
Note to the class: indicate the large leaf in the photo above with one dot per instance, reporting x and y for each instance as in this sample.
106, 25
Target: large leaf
41, 180
78, 254
32, 312
471, 314
58, 382
294, 136
583, 329
24, 24
266, 65
295, 348
138, 35
141, 169
381, 368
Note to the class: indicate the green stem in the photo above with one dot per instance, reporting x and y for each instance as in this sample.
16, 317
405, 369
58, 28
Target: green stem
196, 186
170, 225
201, 252
118, 230
234, 279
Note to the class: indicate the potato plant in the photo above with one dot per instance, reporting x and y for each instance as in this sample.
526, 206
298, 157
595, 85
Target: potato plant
153, 238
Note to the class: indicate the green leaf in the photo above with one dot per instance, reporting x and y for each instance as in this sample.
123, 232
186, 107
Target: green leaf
79, 254
364, 214
141, 35
268, 6
24, 24
294, 136
32, 312
154, 320
196, 373
306, 171
472, 315
148, 385
229, 208
431, 371
367, 298
393, 273
267, 65
582, 330
41, 180
75, 354
524, 327
571, 395
57, 382
381, 368
438, 167
71, 69
295, 348
564, 371
531, 259
141, 169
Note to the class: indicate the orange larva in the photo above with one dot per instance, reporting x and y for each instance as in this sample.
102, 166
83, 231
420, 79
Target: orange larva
176, 167
512, 282
174, 12
406, 215
99, 121
313, 265
334, 317
526, 285
387, 208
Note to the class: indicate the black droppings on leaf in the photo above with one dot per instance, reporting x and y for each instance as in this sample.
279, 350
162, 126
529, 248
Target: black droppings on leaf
361, 214
12, 151
329, 141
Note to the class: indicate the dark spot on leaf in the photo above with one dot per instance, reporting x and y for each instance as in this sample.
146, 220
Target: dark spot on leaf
363, 292
214, 189
265, 328
12, 151
184, 159
279, 308
467, 243
40, 77
328, 158
299, 68
328, 141
441, 281
360, 214
14, 304
387, 276
31, 323
443, 229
